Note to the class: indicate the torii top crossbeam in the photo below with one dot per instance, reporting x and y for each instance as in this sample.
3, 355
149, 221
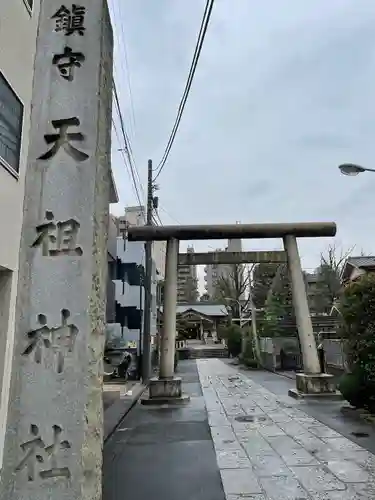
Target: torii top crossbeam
224, 231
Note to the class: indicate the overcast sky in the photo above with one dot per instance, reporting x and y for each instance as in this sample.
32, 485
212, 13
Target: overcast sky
283, 93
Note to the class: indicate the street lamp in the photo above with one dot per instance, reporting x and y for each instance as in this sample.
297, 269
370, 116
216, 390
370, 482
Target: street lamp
352, 169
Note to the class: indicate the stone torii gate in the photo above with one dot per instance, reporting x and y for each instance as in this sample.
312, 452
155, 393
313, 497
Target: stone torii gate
312, 382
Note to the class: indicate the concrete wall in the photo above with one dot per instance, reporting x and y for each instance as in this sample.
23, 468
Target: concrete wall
270, 349
18, 27
113, 233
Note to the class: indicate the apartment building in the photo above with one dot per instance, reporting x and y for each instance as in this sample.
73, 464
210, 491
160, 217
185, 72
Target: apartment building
125, 289
136, 216
187, 282
213, 272
18, 29
125, 302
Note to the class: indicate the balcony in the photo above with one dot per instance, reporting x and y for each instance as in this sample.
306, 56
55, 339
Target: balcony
111, 302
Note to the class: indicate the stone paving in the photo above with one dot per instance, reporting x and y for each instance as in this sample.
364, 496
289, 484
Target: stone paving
267, 448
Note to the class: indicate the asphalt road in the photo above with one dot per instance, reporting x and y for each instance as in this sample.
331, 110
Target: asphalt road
165, 452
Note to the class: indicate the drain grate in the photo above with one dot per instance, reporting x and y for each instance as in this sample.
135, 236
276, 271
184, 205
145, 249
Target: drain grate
360, 434
251, 418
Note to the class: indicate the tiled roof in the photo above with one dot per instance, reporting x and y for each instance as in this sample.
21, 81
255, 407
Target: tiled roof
362, 261
207, 309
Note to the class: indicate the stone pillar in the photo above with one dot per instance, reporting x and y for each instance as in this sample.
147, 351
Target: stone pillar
311, 381
301, 307
167, 388
53, 440
167, 347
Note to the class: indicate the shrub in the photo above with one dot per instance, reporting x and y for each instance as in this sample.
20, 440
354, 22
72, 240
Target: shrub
353, 388
357, 307
249, 358
251, 363
233, 336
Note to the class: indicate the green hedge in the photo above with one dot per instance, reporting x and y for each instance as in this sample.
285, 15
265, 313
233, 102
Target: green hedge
249, 359
233, 336
357, 307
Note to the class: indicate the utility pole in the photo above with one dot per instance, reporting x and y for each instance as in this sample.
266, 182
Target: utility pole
254, 319
141, 309
146, 354
243, 334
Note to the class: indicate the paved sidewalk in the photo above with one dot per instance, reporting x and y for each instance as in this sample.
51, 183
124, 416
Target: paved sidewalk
164, 452
326, 411
269, 449
118, 399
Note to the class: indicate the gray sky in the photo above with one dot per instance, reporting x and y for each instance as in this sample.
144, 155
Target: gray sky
283, 93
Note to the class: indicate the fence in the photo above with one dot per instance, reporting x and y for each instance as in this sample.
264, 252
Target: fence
181, 344
283, 353
334, 354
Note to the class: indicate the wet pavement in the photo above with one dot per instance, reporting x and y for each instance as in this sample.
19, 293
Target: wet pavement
164, 452
270, 448
241, 436
327, 412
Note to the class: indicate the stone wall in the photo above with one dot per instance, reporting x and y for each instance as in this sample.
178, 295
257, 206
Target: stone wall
271, 347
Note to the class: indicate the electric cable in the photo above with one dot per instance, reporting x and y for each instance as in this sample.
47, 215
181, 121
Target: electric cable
193, 67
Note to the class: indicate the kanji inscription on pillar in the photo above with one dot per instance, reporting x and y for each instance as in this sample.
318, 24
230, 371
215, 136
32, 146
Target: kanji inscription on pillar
70, 20
58, 340
58, 238
54, 418
62, 140
41, 461
67, 61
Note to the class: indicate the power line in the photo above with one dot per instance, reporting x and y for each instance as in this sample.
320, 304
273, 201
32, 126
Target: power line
193, 67
157, 217
127, 68
155, 221
127, 148
134, 184
124, 70
170, 216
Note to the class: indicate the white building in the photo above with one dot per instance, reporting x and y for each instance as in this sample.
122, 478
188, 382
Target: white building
187, 282
18, 28
136, 216
129, 295
213, 272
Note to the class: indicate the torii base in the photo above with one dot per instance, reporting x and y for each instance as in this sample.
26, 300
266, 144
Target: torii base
315, 385
164, 391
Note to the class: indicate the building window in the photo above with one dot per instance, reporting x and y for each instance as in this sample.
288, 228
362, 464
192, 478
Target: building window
11, 115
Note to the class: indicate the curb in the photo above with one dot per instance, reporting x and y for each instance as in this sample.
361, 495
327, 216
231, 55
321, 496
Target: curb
116, 413
358, 413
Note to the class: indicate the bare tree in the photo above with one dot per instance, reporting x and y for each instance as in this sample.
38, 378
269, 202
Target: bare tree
328, 273
231, 289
